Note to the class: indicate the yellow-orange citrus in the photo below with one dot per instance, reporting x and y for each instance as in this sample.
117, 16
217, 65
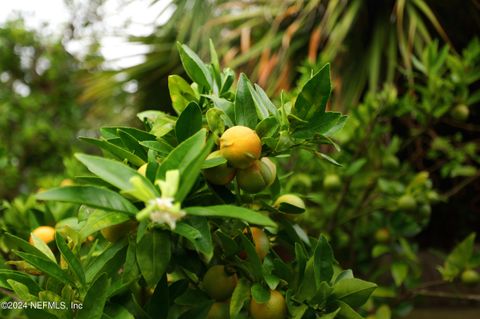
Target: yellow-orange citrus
241, 146
274, 308
45, 233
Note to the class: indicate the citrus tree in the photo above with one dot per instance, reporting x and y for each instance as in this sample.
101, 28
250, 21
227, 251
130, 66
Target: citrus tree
187, 218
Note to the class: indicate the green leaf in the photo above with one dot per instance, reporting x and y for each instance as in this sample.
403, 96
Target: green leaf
399, 272
101, 262
323, 258
43, 247
194, 66
458, 259
330, 315
92, 196
21, 291
46, 266
239, 296
189, 122
114, 172
153, 255
267, 127
7, 274
180, 93
132, 144
346, 312
184, 154
160, 146
314, 95
354, 292
197, 231
259, 293
229, 211
245, 110
192, 171
321, 123
72, 260
115, 150
99, 219
109, 132
95, 299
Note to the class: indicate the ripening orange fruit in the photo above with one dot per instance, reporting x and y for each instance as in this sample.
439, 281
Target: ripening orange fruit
45, 233
241, 146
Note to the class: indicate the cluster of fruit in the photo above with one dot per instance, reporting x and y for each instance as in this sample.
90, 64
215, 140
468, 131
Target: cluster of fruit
242, 148
220, 281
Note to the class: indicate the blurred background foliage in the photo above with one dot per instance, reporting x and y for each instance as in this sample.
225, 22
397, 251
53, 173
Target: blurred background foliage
406, 71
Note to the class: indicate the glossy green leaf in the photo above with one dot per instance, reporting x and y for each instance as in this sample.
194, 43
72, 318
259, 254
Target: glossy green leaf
239, 296
92, 196
119, 152
99, 220
181, 93
245, 110
101, 263
7, 274
323, 258
153, 255
354, 292
95, 299
72, 260
114, 172
197, 231
314, 95
46, 266
184, 154
229, 211
189, 122
194, 66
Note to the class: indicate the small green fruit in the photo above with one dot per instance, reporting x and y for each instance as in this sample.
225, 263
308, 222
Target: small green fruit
460, 112
221, 174
241, 146
332, 182
218, 284
470, 277
257, 177
219, 310
407, 203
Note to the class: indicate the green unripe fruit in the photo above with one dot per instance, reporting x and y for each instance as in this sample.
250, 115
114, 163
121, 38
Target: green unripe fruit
407, 203
257, 177
116, 232
391, 162
332, 182
274, 308
382, 235
221, 174
460, 112
470, 277
219, 310
218, 284
241, 146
